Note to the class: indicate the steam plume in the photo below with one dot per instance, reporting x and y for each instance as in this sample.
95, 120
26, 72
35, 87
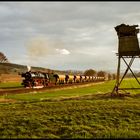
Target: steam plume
40, 48
28, 68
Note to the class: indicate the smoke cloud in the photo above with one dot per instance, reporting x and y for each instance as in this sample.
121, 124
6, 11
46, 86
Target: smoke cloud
41, 48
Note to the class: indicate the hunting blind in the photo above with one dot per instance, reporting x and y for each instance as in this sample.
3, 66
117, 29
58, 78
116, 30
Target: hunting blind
128, 47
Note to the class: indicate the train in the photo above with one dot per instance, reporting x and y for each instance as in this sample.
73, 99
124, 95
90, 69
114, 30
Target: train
37, 79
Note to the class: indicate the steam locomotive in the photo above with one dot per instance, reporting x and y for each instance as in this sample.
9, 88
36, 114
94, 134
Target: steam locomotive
36, 79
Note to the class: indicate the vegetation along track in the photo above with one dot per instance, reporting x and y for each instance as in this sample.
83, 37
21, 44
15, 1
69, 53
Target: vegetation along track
27, 90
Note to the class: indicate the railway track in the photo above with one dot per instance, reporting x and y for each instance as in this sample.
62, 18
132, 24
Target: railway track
28, 90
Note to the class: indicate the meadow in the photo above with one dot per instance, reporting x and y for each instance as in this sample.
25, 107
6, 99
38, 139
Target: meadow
78, 112
7, 85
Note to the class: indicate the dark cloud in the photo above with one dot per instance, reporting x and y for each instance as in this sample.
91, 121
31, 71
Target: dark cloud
85, 28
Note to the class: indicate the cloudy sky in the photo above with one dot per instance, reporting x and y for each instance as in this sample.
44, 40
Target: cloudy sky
64, 35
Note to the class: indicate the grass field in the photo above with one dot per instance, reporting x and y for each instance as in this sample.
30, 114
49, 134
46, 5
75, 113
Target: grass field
80, 112
7, 85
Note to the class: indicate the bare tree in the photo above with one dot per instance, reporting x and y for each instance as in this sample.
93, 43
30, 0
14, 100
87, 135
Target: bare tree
101, 73
113, 76
90, 72
3, 58
109, 76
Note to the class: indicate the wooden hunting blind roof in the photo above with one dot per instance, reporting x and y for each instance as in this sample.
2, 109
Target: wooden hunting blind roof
128, 41
126, 30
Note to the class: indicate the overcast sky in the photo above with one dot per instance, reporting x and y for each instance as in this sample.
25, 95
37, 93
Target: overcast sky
64, 35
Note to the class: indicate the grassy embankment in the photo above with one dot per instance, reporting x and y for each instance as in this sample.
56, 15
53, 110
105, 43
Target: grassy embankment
76, 91
8, 85
81, 112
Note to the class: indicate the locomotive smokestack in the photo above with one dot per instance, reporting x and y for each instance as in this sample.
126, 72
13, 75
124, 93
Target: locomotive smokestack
28, 68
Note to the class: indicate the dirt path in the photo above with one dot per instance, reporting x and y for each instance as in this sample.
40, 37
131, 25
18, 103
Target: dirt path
3, 100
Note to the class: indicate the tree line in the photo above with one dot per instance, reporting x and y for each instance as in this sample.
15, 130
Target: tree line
91, 72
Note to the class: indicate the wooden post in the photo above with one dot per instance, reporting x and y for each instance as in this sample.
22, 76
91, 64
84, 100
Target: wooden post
118, 74
115, 90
